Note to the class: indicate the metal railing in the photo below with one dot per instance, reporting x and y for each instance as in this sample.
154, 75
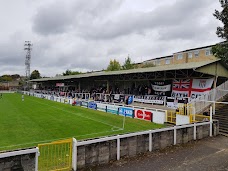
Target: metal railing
205, 101
199, 118
118, 138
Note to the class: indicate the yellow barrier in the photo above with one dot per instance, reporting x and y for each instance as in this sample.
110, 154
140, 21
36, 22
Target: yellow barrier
185, 109
199, 118
55, 156
171, 117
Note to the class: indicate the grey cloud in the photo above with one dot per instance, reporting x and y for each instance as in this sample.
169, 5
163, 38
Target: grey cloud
96, 8
95, 20
85, 55
183, 32
9, 69
139, 22
52, 20
115, 50
11, 55
84, 36
61, 16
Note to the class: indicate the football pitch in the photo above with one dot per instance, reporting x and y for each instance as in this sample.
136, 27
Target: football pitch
33, 121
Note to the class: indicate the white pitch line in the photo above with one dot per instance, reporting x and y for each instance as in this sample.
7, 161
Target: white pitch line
84, 135
79, 115
44, 141
51, 140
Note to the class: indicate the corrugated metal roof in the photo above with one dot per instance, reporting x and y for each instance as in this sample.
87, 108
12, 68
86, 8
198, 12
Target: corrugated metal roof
191, 65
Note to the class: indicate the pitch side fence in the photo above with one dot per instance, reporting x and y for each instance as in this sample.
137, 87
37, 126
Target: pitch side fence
159, 116
7, 91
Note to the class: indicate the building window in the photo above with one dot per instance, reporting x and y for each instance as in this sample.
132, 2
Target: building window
196, 53
190, 55
179, 56
167, 61
208, 52
158, 62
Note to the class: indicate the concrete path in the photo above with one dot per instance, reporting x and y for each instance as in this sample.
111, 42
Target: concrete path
209, 154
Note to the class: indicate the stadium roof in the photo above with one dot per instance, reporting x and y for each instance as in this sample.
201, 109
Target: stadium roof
191, 65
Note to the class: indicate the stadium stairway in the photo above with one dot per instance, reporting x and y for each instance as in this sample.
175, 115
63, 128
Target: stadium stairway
221, 114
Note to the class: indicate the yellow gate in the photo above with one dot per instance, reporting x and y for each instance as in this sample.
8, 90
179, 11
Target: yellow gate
55, 156
171, 117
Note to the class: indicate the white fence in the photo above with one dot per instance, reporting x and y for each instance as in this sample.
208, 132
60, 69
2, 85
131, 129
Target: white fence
118, 138
150, 99
7, 91
28, 163
216, 94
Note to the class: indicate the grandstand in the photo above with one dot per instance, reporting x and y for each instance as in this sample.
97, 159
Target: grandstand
188, 78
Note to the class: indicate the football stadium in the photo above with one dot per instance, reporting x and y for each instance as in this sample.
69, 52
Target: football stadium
165, 108
78, 121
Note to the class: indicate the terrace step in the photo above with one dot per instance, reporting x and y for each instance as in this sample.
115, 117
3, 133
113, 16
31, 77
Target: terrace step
221, 114
223, 131
224, 134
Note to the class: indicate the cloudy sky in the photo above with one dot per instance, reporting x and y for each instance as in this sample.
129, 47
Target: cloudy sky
83, 35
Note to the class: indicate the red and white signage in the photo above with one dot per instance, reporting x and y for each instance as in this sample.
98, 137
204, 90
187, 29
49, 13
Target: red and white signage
191, 87
143, 114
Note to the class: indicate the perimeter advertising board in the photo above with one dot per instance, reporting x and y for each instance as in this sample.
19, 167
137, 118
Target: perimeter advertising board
112, 109
84, 104
126, 111
102, 107
143, 114
92, 105
159, 117
78, 103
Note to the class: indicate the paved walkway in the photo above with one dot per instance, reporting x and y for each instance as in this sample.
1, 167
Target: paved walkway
209, 154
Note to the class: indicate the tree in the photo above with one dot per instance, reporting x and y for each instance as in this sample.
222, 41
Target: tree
35, 74
127, 64
69, 72
114, 65
147, 65
221, 49
15, 76
5, 78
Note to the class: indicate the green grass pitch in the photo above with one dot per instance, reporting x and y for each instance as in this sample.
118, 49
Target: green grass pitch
32, 121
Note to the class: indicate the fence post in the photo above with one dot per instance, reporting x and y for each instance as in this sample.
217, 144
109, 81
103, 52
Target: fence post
165, 101
194, 132
36, 159
174, 135
118, 148
74, 154
211, 121
150, 141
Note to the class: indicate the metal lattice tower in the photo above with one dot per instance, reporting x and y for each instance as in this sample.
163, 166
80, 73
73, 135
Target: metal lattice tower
28, 48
